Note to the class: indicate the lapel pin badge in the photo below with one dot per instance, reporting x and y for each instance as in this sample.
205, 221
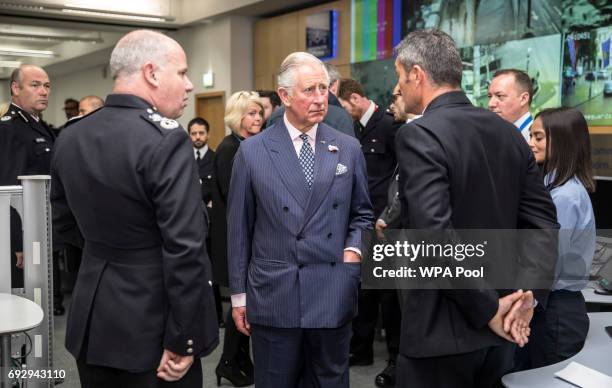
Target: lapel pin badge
332, 148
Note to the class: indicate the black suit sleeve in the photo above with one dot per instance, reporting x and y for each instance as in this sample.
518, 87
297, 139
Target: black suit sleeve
176, 198
425, 201
224, 161
537, 214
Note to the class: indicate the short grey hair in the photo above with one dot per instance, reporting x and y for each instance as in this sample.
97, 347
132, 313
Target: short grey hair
333, 73
137, 48
287, 74
435, 52
15, 78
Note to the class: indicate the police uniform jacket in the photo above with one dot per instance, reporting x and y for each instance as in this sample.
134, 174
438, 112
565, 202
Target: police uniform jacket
377, 143
125, 179
205, 173
26, 146
25, 149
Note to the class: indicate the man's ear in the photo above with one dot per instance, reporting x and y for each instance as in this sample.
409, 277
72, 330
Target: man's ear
284, 96
418, 74
149, 71
524, 98
15, 88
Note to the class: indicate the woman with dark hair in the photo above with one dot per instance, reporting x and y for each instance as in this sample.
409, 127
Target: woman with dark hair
244, 117
560, 143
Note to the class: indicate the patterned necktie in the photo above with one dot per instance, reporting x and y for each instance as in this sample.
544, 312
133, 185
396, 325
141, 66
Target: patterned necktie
307, 160
198, 156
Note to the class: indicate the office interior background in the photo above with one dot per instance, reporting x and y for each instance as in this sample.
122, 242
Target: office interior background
231, 45
564, 45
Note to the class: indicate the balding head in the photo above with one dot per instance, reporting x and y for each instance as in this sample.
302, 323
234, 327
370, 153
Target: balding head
30, 88
88, 104
152, 66
137, 48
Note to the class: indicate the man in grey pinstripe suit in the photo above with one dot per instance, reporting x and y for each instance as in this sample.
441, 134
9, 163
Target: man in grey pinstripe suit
298, 203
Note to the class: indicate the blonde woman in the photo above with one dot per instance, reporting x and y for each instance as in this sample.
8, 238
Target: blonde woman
244, 114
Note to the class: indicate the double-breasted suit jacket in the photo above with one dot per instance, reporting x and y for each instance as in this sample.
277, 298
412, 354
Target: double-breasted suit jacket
286, 251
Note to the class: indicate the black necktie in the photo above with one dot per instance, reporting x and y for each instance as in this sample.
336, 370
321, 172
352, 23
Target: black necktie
358, 128
198, 155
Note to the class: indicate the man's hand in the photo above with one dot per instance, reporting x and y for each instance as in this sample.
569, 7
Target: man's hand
173, 367
351, 257
496, 323
240, 319
19, 256
516, 322
380, 227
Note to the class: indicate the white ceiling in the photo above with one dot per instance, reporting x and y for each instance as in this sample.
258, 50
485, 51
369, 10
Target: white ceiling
63, 35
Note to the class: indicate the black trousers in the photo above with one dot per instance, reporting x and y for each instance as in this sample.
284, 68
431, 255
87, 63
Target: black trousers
93, 376
304, 358
557, 333
235, 344
482, 368
365, 322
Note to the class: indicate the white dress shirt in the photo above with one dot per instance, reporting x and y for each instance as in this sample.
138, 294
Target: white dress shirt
295, 134
368, 114
526, 130
202, 150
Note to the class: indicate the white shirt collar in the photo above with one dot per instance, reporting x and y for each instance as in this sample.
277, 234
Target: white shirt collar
295, 133
202, 150
368, 114
522, 119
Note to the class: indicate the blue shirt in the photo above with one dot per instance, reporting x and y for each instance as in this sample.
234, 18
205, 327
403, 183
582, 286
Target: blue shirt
576, 235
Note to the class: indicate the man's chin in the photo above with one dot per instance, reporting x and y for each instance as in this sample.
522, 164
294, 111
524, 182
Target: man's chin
317, 118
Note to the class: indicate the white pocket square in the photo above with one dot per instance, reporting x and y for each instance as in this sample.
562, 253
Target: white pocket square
341, 169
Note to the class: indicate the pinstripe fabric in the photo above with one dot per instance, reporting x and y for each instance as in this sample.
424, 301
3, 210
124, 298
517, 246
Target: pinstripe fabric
287, 241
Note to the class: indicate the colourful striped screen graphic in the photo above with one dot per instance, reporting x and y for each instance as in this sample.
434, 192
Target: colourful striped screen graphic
376, 27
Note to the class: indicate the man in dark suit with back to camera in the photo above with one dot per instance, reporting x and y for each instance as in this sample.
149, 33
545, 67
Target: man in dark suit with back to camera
376, 133
298, 203
125, 186
461, 167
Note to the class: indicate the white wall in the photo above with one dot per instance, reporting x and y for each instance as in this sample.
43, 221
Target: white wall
5, 94
242, 53
76, 85
224, 46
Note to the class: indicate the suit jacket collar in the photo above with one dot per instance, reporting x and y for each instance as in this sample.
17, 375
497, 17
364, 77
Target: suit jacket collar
456, 97
128, 101
333, 100
285, 160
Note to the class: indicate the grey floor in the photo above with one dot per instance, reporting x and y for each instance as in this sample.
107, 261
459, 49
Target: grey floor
361, 377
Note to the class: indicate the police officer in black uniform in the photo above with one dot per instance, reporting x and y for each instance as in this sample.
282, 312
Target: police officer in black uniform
125, 187
26, 143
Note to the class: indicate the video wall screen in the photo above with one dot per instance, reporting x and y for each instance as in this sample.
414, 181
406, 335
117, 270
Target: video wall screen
564, 45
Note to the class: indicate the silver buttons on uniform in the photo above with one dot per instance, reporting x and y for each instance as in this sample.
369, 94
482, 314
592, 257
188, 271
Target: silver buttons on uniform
189, 342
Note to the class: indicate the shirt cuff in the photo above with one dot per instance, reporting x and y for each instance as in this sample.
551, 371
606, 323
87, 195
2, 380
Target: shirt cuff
356, 250
239, 300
